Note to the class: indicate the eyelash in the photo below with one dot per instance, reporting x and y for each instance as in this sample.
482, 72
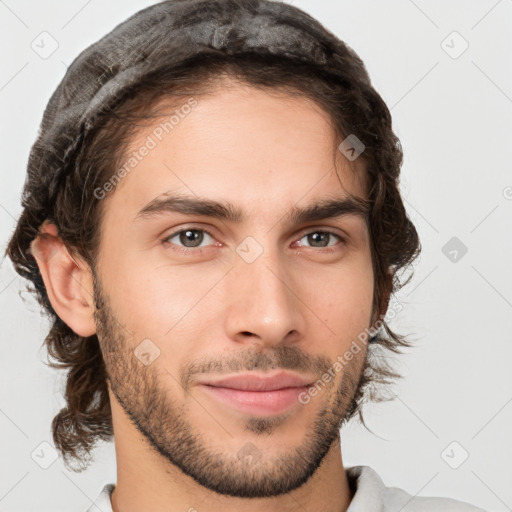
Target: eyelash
187, 250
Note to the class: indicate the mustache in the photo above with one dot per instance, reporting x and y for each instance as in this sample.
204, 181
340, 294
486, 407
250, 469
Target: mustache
283, 357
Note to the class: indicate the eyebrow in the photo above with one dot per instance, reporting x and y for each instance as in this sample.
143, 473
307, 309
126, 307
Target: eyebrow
188, 205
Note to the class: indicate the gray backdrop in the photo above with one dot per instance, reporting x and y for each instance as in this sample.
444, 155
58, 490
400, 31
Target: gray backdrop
444, 69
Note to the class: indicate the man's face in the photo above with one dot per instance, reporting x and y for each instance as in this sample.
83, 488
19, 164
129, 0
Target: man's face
255, 296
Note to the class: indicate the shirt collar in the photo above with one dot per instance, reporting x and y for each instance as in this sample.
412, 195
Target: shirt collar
369, 489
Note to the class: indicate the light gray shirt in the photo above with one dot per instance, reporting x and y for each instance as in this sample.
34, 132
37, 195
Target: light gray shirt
371, 495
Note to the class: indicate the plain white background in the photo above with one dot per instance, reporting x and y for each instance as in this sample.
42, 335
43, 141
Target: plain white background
452, 109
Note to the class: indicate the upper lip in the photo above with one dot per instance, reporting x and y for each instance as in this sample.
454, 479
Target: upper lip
260, 382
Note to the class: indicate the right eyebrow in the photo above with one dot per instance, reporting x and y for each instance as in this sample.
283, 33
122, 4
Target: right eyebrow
167, 203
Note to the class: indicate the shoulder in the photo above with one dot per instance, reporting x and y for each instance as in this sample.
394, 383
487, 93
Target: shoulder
371, 494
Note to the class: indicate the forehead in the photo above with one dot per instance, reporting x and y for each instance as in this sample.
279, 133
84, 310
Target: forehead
263, 150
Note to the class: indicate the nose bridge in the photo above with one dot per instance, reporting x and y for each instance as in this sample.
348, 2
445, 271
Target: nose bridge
263, 301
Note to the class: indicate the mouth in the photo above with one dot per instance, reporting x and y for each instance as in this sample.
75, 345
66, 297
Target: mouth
258, 394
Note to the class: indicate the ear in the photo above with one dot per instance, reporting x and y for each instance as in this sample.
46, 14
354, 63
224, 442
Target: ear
68, 282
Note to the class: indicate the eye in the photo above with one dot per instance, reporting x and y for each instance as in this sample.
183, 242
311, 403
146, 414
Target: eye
320, 239
191, 239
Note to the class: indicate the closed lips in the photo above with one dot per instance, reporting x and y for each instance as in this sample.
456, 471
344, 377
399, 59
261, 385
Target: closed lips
252, 382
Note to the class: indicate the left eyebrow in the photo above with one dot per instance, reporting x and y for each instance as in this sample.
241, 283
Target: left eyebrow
329, 209
189, 205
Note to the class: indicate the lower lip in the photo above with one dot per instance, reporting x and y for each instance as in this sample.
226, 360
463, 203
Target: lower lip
257, 402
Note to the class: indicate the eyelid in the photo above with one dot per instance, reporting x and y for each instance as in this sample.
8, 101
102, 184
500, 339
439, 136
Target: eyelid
324, 229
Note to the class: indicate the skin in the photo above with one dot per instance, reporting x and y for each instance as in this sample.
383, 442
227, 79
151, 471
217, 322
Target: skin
295, 307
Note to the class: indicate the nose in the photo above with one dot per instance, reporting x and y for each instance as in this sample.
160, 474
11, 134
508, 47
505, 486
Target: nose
264, 307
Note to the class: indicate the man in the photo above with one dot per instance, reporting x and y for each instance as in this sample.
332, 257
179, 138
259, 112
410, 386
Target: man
212, 218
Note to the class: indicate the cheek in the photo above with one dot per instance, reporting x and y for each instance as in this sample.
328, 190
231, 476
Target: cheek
159, 300
343, 301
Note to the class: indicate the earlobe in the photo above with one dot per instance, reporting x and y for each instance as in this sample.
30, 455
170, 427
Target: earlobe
68, 282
